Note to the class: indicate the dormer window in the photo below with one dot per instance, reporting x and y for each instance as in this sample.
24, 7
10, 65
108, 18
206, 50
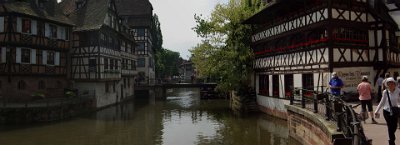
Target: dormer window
80, 3
40, 3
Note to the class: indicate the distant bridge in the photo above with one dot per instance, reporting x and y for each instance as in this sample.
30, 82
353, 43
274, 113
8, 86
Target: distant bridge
175, 85
166, 86
188, 85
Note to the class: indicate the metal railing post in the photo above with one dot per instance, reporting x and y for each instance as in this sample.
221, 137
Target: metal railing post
292, 98
327, 108
303, 100
315, 103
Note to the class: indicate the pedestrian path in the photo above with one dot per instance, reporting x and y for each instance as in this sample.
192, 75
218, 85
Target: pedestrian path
377, 132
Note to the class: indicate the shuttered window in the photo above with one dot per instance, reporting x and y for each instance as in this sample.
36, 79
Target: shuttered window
57, 58
44, 58
25, 56
92, 65
105, 63
3, 55
1, 24
33, 56
50, 57
26, 26
34, 27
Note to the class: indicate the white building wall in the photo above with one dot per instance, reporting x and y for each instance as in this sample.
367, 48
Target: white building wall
102, 98
282, 86
272, 103
297, 81
351, 76
270, 85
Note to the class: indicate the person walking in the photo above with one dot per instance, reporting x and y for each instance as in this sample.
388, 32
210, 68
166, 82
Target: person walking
387, 75
364, 89
379, 84
389, 102
335, 84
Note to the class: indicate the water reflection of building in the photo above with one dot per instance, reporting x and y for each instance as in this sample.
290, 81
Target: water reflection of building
34, 43
300, 43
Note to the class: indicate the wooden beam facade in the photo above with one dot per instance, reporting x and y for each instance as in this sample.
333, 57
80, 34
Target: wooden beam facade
323, 36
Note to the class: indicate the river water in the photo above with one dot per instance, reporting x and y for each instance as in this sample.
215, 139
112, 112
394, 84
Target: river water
181, 119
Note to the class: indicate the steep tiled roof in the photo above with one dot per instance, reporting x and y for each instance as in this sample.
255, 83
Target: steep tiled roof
134, 7
88, 17
31, 9
139, 13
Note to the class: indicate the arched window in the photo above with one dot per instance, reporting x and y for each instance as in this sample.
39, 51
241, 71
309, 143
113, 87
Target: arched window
41, 85
21, 85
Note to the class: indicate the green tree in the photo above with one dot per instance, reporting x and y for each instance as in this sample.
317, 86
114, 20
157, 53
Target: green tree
168, 63
157, 42
224, 53
156, 33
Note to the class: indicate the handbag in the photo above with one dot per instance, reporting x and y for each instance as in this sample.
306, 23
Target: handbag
393, 110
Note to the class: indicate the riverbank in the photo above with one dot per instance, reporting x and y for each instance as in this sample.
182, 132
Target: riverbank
45, 110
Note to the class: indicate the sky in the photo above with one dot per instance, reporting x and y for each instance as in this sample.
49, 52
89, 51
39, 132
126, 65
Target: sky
177, 20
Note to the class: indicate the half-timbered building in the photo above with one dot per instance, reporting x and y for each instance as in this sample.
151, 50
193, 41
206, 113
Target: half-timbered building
299, 43
102, 55
140, 19
34, 43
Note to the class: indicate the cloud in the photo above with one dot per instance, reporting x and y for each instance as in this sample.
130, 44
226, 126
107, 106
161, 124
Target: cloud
177, 20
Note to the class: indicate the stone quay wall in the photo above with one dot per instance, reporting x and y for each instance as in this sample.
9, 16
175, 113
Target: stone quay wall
304, 125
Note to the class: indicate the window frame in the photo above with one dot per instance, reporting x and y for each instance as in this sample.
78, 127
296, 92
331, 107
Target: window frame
26, 25
51, 58
53, 31
25, 55
92, 64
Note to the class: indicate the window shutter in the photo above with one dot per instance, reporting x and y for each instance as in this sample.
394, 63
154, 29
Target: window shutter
44, 60
47, 30
34, 27
57, 59
59, 33
3, 54
1, 24
18, 60
19, 24
33, 56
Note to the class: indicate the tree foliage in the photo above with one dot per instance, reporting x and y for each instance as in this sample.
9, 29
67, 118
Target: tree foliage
156, 33
157, 42
224, 53
168, 63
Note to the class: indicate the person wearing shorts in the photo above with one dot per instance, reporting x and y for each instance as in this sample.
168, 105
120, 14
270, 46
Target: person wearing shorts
364, 89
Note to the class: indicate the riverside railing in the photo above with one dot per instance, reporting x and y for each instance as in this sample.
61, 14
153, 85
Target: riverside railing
334, 109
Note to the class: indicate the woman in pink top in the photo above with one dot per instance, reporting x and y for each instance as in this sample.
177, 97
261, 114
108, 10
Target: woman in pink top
364, 89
